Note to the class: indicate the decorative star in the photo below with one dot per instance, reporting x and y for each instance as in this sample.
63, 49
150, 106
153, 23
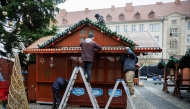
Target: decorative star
42, 60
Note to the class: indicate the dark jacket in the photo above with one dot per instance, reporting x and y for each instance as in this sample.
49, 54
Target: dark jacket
88, 47
59, 84
129, 61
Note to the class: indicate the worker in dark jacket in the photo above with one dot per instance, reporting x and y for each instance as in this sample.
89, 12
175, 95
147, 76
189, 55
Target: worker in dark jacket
59, 84
100, 19
87, 54
129, 69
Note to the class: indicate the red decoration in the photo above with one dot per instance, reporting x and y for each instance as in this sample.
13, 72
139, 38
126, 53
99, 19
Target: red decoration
52, 44
118, 39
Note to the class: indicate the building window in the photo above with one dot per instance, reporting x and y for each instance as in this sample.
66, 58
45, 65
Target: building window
173, 44
117, 28
137, 15
188, 38
188, 24
151, 14
155, 53
108, 17
141, 27
121, 16
157, 38
173, 32
133, 28
174, 21
154, 27
125, 28
64, 21
82, 35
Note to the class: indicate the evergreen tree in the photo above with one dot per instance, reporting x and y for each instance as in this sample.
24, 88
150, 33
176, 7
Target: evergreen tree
24, 21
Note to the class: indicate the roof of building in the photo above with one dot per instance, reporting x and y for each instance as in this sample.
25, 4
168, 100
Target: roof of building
160, 9
142, 38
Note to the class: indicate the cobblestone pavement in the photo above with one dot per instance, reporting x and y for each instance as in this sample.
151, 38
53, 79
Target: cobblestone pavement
148, 97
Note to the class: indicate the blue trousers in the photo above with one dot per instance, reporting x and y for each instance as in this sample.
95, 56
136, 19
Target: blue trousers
87, 69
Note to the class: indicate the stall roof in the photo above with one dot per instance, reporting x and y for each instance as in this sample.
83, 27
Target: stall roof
171, 62
138, 41
184, 61
161, 64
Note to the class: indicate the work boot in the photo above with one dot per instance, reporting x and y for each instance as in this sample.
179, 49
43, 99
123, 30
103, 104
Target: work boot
133, 96
86, 76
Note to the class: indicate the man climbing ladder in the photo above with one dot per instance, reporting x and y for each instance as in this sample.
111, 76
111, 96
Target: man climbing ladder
70, 87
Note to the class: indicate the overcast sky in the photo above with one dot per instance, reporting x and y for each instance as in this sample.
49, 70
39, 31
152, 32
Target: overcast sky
79, 5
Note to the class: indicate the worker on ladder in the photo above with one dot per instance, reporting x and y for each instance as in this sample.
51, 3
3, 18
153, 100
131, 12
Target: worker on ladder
87, 54
59, 84
129, 69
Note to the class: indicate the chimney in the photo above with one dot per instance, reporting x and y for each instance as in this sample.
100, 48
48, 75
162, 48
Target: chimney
63, 12
128, 6
158, 3
86, 10
112, 7
177, 2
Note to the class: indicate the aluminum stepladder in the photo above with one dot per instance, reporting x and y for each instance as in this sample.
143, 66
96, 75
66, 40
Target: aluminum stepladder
126, 90
70, 87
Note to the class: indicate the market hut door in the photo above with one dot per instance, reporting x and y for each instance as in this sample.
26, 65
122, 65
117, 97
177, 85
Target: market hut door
32, 82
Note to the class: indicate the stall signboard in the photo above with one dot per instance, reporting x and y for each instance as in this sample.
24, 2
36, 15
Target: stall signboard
97, 92
117, 93
78, 91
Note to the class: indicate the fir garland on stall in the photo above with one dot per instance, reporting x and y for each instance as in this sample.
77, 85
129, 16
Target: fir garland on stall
89, 22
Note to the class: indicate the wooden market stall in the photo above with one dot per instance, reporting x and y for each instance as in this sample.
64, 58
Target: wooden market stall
183, 81
63, 49
172, 65
179, 74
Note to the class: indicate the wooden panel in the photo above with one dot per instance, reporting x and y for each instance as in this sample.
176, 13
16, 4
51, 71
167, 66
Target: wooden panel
102, 70
110, 75
186, 75
100, 75
32, 82
44, 92
6, 68
105, 40
44, 71
118, 74
60, 67
50, 74
73, 39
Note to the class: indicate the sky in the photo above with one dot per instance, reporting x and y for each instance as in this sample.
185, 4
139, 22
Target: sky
79, 5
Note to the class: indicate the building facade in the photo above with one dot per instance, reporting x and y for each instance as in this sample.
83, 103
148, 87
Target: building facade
168, 23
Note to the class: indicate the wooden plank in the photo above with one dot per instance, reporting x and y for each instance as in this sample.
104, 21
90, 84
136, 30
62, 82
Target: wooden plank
32, 82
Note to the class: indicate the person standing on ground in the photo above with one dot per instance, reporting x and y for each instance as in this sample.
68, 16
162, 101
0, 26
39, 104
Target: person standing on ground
59, 84
87, 54
129, 69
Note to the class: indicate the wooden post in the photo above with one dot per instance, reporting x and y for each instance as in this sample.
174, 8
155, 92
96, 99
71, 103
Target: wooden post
165, 86
176, 91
